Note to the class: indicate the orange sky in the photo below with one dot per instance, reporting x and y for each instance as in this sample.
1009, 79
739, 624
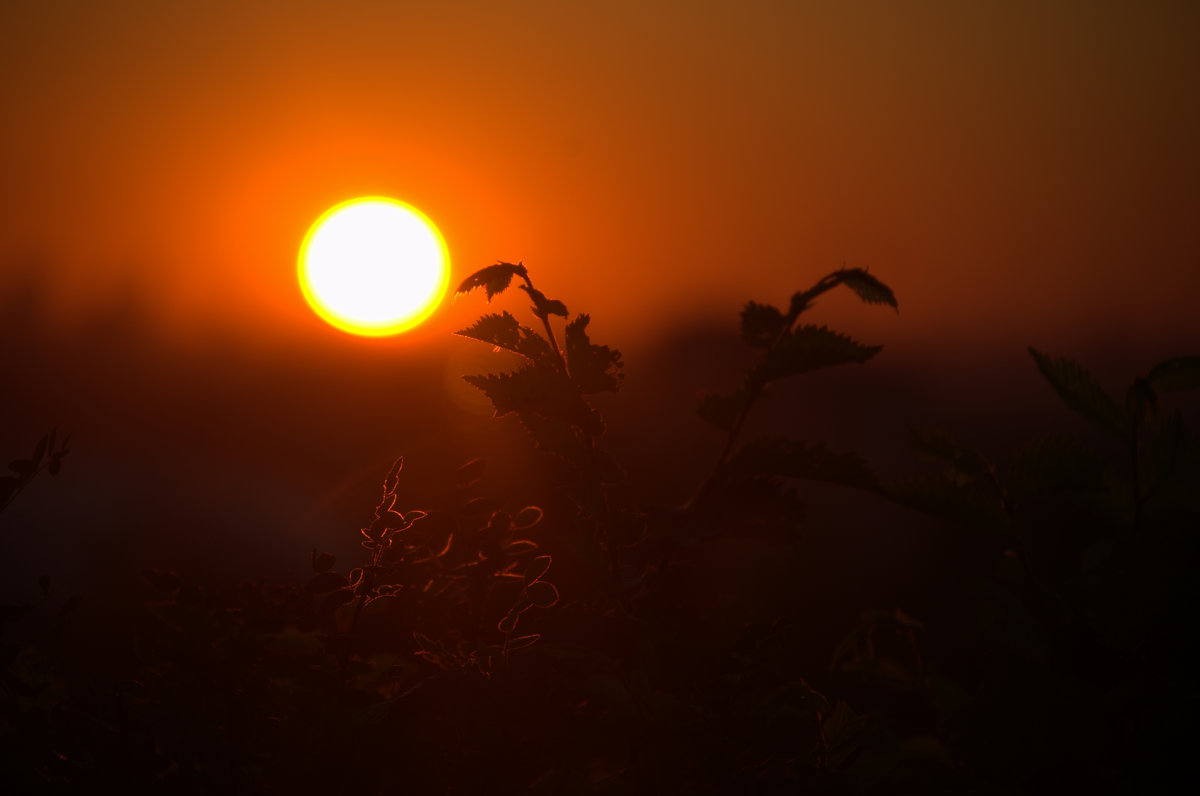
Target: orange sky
1018, 171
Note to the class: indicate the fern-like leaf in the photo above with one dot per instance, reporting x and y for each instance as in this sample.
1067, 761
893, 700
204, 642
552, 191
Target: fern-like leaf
501, 330
941, 445
504, 331
1179, 373
761, 324
812, 347
1080, 391
541, 391
868, 288
555, 436
493, 279
595, 368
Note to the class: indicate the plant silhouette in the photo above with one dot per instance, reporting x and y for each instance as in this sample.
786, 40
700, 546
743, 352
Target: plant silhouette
578, 642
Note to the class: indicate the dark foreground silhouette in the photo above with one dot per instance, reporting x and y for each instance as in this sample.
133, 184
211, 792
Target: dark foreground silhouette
565, 639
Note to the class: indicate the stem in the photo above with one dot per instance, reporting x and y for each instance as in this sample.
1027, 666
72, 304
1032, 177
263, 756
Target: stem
545, 317
1137, 476
800, 303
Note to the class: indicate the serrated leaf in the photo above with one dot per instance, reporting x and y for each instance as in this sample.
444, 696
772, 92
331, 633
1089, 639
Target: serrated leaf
780, 457
501, 330
1080, 391
493, 279
595, 368
1179, 373
1050, 464
811, 348
868, 288
721, 410
556, 436
941, 445
538, 390
505, 332
761, 324
544, 307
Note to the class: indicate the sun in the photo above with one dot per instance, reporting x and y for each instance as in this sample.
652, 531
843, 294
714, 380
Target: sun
374, 266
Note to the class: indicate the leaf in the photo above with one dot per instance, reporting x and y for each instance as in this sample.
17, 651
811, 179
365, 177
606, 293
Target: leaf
521, 642
527, 518
392, 480
595, 368
470, 473
941, 445
721, 410
1180, 373
542, 593
1079, 391
493, 279
810, 348
505, 332
761, 324
556, 436
22, 467
777, 456
868, 288
501, 330
537, 568
544, 307
541, 391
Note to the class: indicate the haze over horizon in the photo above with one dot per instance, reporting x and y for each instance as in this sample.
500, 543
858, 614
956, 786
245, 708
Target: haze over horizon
1018, 172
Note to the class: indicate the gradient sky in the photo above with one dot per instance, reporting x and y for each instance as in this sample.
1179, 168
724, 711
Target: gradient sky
1018, 171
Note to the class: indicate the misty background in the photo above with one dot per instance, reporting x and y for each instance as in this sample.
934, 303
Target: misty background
1019, 173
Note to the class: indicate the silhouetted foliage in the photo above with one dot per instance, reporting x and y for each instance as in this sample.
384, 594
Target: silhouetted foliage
586, 645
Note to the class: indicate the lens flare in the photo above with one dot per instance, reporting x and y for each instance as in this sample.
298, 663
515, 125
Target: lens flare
374, 266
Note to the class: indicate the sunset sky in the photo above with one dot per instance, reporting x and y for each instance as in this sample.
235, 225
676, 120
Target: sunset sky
1018, 171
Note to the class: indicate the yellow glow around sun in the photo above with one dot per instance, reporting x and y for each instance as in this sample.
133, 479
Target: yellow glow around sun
374, 266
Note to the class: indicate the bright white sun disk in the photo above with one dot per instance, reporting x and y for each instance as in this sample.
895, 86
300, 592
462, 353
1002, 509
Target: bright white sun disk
373, 266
